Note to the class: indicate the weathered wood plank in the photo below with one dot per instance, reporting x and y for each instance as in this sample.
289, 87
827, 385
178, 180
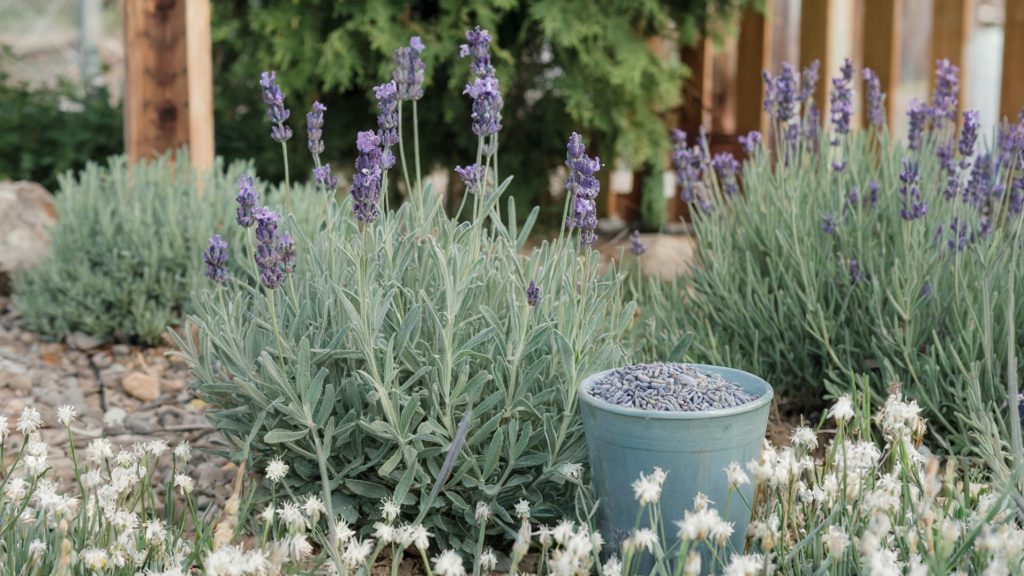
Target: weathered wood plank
882, 21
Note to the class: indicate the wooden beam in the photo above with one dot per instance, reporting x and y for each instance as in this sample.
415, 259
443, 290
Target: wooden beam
753, 56
200, 83
815, 44
1012, 98
950, 29
882, 21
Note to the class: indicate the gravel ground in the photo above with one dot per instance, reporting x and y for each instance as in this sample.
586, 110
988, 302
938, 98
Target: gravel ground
125, 393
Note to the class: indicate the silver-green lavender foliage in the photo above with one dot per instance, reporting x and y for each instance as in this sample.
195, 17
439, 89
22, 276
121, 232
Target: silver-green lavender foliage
122, 263
826, 268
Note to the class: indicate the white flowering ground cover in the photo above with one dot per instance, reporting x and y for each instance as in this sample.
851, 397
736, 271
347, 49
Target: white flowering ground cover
838, 500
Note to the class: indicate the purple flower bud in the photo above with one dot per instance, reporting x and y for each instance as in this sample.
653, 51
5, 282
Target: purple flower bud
479, 47
367, 180
314, 129
286, 252
636, 246
387, 121
917, 113
809, 81
266, 225
781, 94
980, 185
278, 114
487, 104
247, 200
841, 100
853, 196
1017, 196
926, 289
726, 166
533, 294
873, 189
472, 177
583, 188
828, 224
269, 249
958, 239
751, 142
856, 276
216, 259
322, 176
914, 206
409, 70
1020, 405
689, 166
808, 129
875, 98
969, 133
947, 89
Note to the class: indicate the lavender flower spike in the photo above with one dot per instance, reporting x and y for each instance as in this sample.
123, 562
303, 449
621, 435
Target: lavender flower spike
947, 88
479, 47
726, 166
969, 134
533, 294
471, 177
314, 129
387, 121
322, 176
875, 98
366, 183
247, 200
915, 133
751, 142
273, 97
841, 99
583, 188
913, 205
216, 259
268, 256
636, 247
409, 70
487, 104
808, 81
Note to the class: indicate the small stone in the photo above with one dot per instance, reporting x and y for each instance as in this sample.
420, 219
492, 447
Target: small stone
19, 382
114, 417
142, 386
101, 360
174, 384
82, 341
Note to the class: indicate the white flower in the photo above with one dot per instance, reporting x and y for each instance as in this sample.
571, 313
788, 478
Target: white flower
384, 533
30, 420
701, 501
37, 548
645, 539
613, 567
736, 476
16, 489
572, 470
276, 470
704, 524
125, 459
390, 509
842, 410
692, 566
99, 450
342, 533
483, 512
94, 559
299, 548
267, 516
745, 565
156, 447
291, 515
419, 536
647, 489
835, 541
449, 564
313, 508
900, 420
564, 531
356, 552
4, 430
522, 509
488, 561
185, 483
155, 531
183, 451
805, 437
66, 414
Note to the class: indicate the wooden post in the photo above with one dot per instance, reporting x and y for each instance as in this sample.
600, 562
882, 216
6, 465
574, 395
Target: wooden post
882, 48
158, 86
815, 16
1012, 98
950, 28
753, 56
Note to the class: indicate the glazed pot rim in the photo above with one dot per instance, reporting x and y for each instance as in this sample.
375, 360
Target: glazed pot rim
763, 400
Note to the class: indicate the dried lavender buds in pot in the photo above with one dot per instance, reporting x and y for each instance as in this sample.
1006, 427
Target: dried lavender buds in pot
668, 387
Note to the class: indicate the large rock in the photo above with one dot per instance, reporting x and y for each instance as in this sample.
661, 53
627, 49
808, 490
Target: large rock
26, 213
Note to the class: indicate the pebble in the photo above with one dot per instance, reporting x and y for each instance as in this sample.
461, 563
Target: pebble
142, 386
668, 387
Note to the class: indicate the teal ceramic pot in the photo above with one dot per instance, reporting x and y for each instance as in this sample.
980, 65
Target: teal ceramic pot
693, 448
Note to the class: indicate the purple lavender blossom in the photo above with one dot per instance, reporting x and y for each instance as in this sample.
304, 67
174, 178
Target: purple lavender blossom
969, 134
945, 156
979, 186
322, 176
917, 113
409, 70
841, 101
1017, 196
273, 97
286, 252
810, 126
853, 196
479, 47
216, 259
781, 94
636, 247
914, 206
689, 167
958, 236
471, 176
583, 187
873, 197
366, 182
875, 98
268, 253
314, 129
533, 294
751, 142
487, 103
856, 276
247, 200
726, 166
809, 81
944, 98
926, 289
828, 224
387, 121
1020, 405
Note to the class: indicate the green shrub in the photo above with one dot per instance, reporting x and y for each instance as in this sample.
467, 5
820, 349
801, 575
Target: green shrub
45, 132
123, 258
811, 277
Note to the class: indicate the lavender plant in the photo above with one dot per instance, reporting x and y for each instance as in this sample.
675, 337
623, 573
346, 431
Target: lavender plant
413, 356
850, 253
